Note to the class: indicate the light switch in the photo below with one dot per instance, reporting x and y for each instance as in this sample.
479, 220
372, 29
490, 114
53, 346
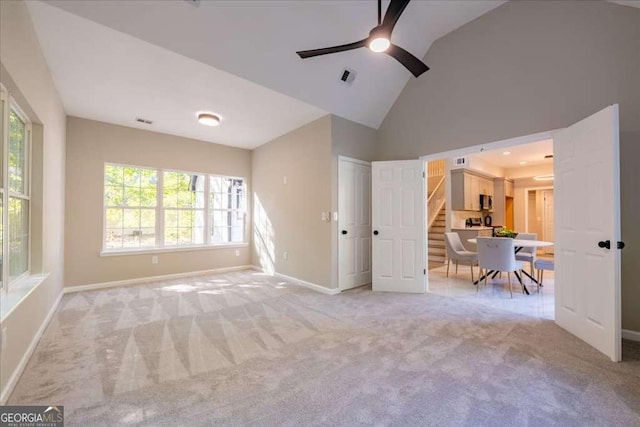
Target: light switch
284, 180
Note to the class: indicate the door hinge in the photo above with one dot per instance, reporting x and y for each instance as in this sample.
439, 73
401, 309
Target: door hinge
424, 175
424, 271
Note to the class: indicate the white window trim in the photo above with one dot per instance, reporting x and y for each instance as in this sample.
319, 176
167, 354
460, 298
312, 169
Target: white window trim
11, 105
160, 246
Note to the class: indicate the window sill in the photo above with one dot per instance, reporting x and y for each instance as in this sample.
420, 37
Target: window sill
125, 252
18, 291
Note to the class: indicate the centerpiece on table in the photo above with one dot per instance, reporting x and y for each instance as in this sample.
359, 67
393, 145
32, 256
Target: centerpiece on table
505, 232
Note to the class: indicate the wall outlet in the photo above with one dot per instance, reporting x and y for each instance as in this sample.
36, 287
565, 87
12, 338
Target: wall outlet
284, 180
285, 255
237, 252
154, 259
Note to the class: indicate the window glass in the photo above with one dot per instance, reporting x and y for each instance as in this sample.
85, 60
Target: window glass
18, 236
130, 195
227, 209
17, 154
183, 199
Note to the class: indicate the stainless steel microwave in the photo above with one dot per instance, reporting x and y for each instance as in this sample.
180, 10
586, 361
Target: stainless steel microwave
486, 202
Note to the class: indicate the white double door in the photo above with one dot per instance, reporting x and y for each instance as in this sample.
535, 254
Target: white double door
586, 229
354, 223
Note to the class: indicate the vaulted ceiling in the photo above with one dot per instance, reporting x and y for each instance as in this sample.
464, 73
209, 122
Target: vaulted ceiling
164, 60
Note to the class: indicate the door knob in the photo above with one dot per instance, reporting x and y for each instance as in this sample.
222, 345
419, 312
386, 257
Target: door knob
375, 232
344, 231
620, 245
604, 244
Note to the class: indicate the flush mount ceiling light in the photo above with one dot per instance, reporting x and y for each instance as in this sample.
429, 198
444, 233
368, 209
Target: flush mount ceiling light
208, 119
543, 178
506, 153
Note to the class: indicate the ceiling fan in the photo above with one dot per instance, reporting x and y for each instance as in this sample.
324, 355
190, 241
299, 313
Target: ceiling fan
379, 40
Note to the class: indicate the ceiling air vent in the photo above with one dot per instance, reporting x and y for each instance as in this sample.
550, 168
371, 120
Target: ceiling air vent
195, 3
348, 76
460, 161
144, 121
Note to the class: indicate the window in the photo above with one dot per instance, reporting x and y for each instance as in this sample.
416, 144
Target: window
15, 131
183, 196
130, 207
227, 209
154, 209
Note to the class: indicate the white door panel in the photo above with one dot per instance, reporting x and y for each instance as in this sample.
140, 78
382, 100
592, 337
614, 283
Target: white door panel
354, 224
398, 216
587, 203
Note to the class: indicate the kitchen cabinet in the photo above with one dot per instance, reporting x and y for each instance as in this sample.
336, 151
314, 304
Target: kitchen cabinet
466, 188
508, 188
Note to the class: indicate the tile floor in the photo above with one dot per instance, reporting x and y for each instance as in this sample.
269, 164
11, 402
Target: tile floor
496, 293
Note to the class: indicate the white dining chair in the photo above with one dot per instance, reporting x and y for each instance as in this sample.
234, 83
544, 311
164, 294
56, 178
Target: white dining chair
527, 255
458, 253
497, 254
542, 264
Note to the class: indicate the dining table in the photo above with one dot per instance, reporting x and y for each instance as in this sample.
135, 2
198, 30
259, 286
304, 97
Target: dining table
518, 245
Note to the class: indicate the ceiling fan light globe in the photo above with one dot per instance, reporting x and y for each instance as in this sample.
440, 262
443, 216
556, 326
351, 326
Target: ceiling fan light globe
379, 44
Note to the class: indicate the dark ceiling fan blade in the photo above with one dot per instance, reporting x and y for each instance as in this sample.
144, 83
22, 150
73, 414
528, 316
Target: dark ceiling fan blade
333, 49
410, 62
391, 16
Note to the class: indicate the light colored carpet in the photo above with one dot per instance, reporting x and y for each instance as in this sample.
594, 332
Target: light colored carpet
244, 348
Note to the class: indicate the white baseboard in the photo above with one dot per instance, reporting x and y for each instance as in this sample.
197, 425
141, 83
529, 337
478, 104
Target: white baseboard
139, 280
312, 286
628, 334
13, 380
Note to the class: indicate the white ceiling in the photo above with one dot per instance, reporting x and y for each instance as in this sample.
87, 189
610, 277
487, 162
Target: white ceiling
532, 153
257, 40
632, 3
106, 75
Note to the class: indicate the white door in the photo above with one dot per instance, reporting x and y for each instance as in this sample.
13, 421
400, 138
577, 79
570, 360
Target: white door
398, 219
547, 218
354, 223
587, 189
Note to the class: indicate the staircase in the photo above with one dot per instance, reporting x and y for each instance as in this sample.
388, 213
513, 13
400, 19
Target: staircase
437, 251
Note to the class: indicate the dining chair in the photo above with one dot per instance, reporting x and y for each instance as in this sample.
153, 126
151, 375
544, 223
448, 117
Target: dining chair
458, 253
527, 255
542, 264
497, 254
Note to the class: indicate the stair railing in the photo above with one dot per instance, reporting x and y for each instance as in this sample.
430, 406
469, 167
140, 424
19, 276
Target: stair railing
435, 202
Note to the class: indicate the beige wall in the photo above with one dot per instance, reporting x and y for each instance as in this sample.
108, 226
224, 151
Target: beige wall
89, 145
26, 75
288, 215
523, 68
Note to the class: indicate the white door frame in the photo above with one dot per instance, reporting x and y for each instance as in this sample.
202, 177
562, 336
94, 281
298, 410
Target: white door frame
337, 217
474, 149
